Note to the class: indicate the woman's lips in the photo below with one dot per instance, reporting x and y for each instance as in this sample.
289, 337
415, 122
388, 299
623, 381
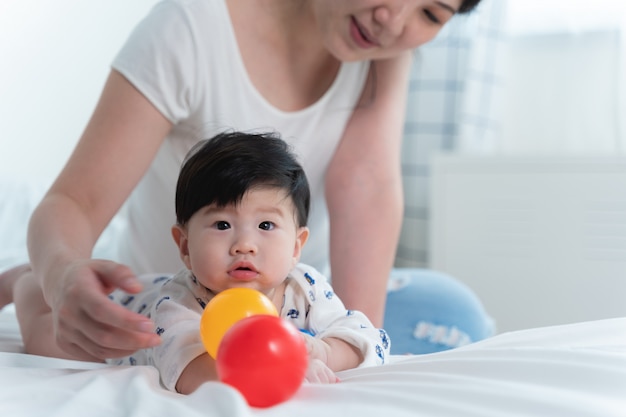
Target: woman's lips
360, 36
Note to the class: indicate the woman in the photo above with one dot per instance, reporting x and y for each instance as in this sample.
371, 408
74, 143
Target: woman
329, 75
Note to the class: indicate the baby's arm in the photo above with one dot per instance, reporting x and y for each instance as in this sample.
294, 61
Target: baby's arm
330, 355
339, 339
326, 356
181, 358
198, 371
337, 354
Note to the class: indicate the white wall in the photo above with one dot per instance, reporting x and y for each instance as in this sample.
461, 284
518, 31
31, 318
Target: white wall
54, 59
542, 240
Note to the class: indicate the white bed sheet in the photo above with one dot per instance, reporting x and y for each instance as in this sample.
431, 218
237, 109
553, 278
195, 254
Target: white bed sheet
572, 370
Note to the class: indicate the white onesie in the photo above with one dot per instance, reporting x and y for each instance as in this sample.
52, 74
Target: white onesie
176, 305
184, 58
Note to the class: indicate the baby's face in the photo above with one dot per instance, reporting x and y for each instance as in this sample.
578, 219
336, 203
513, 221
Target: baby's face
253, 244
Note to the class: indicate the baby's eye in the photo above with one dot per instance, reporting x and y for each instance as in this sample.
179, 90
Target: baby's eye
222, 225
266, 225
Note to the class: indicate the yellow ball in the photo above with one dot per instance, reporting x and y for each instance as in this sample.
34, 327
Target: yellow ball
226, 309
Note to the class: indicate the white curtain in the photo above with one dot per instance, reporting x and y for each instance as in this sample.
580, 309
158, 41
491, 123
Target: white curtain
565, 79
452, 91
540, 77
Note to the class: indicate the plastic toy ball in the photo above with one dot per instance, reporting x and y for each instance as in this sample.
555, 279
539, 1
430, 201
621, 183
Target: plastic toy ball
264, 358
227, 308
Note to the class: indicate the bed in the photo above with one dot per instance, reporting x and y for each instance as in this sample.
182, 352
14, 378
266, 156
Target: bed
569, 370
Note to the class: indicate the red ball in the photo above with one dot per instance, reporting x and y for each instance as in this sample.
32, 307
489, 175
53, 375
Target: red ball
265, 358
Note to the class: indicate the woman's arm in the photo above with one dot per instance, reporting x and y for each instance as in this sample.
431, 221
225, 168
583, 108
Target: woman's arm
115, 150
364, 191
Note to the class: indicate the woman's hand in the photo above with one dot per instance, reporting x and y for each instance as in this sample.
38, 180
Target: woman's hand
86, 322
115, 150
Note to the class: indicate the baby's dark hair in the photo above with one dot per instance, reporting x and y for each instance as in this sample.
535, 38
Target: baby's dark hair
220, 170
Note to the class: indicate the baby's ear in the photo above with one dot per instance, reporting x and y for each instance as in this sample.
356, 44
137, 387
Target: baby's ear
179, 233
301, 238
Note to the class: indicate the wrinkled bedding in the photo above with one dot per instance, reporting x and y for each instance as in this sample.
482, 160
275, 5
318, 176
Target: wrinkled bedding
571, 370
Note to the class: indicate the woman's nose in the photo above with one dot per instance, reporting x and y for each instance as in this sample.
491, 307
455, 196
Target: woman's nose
392, 16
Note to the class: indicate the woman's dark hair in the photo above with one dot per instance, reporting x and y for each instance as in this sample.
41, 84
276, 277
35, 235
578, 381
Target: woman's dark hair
220, 170
467, 6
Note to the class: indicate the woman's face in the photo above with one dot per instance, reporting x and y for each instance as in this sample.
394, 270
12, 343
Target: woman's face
354, 30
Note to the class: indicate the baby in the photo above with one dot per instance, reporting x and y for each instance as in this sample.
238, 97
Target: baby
242, 202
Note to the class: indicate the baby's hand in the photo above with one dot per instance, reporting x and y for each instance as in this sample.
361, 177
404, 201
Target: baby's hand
319, 373
317, 348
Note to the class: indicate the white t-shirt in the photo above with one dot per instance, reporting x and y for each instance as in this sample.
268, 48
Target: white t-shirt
176, 306
184, 58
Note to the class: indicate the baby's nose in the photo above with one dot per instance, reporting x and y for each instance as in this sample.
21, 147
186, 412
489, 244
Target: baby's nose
243, 244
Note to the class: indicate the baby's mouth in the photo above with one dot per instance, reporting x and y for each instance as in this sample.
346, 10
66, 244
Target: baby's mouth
243, 272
